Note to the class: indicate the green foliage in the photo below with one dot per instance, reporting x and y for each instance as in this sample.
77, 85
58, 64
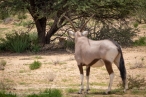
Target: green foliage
11, 7
69, 44
35, 65
48, 93
135, 24
21, 16
20, 42
15, 42
140, 42
3, 94
35, 47
119, 34
102, 10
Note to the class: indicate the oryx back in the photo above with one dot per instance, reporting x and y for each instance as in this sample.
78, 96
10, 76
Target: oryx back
87, 50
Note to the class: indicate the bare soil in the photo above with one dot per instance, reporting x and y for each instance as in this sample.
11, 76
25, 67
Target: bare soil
59, 70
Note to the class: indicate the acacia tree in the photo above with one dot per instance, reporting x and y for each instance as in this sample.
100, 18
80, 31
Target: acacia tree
43, 11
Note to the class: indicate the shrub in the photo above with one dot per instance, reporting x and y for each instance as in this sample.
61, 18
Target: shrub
123, 35
2, 64
15, 42
35, 47
135, 24
135, 82
20, 42
140, 42
35, 65
69, 44
48, 93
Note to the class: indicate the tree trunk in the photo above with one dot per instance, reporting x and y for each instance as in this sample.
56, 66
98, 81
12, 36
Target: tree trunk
52, 31
41, 29
54, 28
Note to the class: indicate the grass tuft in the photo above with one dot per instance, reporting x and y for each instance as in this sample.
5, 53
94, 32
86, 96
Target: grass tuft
140, 42
48, 93
70, 90
35, 65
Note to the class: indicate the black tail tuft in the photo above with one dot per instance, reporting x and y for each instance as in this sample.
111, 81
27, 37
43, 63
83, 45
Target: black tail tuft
122, 68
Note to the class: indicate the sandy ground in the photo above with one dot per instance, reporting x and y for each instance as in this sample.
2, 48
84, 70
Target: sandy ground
59, 70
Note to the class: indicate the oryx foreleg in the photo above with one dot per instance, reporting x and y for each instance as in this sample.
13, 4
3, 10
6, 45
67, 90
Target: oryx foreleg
111, 75
81, 77
87, 77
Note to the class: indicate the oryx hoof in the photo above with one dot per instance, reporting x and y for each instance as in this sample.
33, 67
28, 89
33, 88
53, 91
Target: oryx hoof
107, 92
87, 90
81, 91
124, 90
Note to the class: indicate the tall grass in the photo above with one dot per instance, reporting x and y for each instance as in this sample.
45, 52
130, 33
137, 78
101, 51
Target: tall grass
34, 42
15, 42
19, 42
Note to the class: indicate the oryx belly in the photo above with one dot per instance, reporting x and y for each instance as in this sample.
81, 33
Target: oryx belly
98, 63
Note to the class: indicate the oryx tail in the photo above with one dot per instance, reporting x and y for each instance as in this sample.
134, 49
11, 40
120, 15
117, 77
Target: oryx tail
121, 67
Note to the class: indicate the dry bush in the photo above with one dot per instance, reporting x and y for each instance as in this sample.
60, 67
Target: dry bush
51, 76
2, 64
135, 82
56, 62
6, 84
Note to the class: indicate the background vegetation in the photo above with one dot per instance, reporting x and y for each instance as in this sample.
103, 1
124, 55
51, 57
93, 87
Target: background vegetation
50, 14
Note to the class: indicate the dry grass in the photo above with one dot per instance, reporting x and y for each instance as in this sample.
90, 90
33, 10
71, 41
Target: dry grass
65, 76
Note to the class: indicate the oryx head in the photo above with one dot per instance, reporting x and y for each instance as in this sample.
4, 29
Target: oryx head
78, 32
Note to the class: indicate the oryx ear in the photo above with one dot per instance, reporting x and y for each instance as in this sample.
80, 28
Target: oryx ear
85, 33
71, 33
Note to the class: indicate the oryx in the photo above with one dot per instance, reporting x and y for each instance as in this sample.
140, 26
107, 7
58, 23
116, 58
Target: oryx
88, 52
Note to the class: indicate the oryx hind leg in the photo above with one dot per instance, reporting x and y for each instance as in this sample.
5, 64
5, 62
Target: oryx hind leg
111, 75
81, 77
87, 78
